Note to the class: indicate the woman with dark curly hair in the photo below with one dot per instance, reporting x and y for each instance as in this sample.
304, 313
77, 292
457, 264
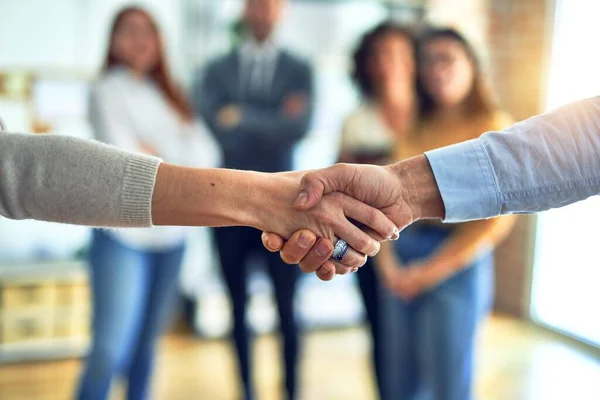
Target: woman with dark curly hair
384, 71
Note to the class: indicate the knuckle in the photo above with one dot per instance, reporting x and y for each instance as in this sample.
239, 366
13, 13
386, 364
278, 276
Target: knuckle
342, 269
363, 245
372, 216
337, 197
327, 219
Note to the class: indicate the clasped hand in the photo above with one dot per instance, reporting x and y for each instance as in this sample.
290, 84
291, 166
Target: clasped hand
400, 194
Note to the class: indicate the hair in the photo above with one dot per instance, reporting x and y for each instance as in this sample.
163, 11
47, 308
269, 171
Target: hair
160, 72
365, 50
480, 100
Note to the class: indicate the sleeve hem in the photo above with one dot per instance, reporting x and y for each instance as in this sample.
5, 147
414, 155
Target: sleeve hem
465, 178
137, 190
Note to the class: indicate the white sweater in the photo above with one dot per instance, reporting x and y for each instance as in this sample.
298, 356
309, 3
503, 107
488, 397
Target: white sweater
128, 112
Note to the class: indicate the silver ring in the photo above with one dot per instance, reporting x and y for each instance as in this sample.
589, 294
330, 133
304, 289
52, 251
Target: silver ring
340, 250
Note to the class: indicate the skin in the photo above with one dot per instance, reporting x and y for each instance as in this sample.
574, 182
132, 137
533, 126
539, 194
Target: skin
136, 43
405, 192
220, 197
391, 67
137, 46
447, 74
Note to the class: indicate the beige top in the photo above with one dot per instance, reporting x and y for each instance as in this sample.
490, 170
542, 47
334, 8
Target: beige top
365, 130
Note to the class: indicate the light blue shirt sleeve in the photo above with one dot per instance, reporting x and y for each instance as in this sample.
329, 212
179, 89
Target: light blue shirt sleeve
547, 161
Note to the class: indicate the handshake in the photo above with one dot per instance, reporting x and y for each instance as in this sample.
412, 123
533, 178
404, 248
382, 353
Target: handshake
361, 204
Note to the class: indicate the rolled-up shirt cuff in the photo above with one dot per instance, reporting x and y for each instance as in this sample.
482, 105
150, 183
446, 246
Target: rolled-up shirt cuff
466, 181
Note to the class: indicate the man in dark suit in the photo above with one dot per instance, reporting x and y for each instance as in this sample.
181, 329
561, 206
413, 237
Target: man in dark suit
257, 100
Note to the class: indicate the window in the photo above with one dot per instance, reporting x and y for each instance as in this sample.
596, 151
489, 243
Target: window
566, 277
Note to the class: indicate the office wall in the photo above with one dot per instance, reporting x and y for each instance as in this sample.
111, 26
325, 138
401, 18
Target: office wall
72, 34
515, 37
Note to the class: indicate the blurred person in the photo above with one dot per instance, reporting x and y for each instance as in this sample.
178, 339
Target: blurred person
257, 100
440, 277
384, 71
134, 273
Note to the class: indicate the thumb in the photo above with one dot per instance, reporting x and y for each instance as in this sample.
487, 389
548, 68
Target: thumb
316, 183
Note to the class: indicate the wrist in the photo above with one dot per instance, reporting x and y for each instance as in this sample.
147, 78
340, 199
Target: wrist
432, 273
271, 201
420, 189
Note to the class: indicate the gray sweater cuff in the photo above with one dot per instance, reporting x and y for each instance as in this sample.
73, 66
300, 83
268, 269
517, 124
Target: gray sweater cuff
137, 190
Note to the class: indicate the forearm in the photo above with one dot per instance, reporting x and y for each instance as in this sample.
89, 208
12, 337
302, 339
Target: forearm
208, 197
63, 179
548, 161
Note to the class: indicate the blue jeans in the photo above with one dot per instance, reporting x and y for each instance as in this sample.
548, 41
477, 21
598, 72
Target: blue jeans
430, 340
133, 292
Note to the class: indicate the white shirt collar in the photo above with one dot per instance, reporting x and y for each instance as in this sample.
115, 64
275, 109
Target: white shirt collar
253, 49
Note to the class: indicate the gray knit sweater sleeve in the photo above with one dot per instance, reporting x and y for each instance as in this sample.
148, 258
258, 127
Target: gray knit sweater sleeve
74, 181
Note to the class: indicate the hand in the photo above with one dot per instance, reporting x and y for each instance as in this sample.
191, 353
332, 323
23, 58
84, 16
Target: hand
330, 220
405, 192
308, 251
294, 105
406, 283
229, 116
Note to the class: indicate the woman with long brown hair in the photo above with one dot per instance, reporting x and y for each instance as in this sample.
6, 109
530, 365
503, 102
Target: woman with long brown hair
136, 106
440, 277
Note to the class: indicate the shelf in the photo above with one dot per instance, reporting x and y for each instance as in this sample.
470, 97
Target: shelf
43, 350
32, 272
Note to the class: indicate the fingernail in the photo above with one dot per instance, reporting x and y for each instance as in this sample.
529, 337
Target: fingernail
354, 269
301, 199
323, 249
304, 241
269, 245
396, 234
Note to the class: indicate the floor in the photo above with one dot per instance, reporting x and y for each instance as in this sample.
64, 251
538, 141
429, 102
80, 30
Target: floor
518, 362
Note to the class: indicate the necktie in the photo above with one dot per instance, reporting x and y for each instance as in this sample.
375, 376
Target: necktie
256, 81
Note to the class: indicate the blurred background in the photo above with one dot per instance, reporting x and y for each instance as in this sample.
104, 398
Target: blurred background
542, 339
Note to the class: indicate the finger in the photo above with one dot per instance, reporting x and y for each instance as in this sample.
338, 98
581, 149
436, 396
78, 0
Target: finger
341, 269
376, 235
369, 217
298, 246
316, 183
357, 239
326, 272
352, 259
317, 256
272, 241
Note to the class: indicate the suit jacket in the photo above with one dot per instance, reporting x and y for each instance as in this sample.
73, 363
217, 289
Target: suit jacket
265, 138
